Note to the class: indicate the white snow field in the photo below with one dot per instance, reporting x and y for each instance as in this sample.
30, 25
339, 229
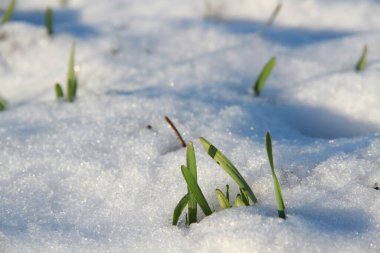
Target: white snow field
90, 176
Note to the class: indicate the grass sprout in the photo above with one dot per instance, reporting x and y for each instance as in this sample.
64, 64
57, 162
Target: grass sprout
49, 18
228, 167
72, 81
58, 91
3, 104
178, 135
265, 73
277, 188
222, 199
196, 190
239, 201
192, 166
8, 12
363, 59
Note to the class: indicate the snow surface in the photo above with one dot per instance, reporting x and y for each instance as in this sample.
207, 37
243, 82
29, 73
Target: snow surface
91, 177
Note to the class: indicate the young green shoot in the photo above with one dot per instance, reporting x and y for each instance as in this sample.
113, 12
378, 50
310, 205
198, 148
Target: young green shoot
8, 12
3, 104
192, 166
265, 73
228, 192
179, 208
239, 201
363, 60
58, 91
244, 197
222, 199
72, 81
49, 19
277, 188
196, 190
178, 135
228, 167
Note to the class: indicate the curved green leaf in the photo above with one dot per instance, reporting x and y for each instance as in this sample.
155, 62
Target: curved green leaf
9, 11
277, 187
179, 208
228, 167
265, 73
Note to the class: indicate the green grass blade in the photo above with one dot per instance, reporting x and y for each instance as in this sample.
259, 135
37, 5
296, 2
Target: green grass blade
71, 77
3, 104
196, 190
274, 15
239, 201
58, 90
9, 11
280, 200
192, 166
228, 167
244, 197
49, 18
222, 199
363, 60
179, 208
228, 192
265, 73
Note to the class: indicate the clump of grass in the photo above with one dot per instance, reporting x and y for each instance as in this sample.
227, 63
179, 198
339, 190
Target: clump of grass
363, 59
3, 104
194, 195
277, 188
178, 135
228, 167
72, 81
265, 73
8, 12
49, 19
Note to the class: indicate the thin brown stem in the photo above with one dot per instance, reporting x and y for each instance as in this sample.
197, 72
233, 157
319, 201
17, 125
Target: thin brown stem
178, 135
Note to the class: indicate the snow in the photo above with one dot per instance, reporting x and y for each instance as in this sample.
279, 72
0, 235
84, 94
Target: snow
91, 177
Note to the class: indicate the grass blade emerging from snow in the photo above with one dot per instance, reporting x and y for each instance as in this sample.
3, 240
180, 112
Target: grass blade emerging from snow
49, 21
71, 77
265, 73
228, 167
192, 166
239, 201
9, 11
196, 190
277, 188
363, 59
3, 104
58, 90
179, 208
222, 199
244, 197
274, 15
